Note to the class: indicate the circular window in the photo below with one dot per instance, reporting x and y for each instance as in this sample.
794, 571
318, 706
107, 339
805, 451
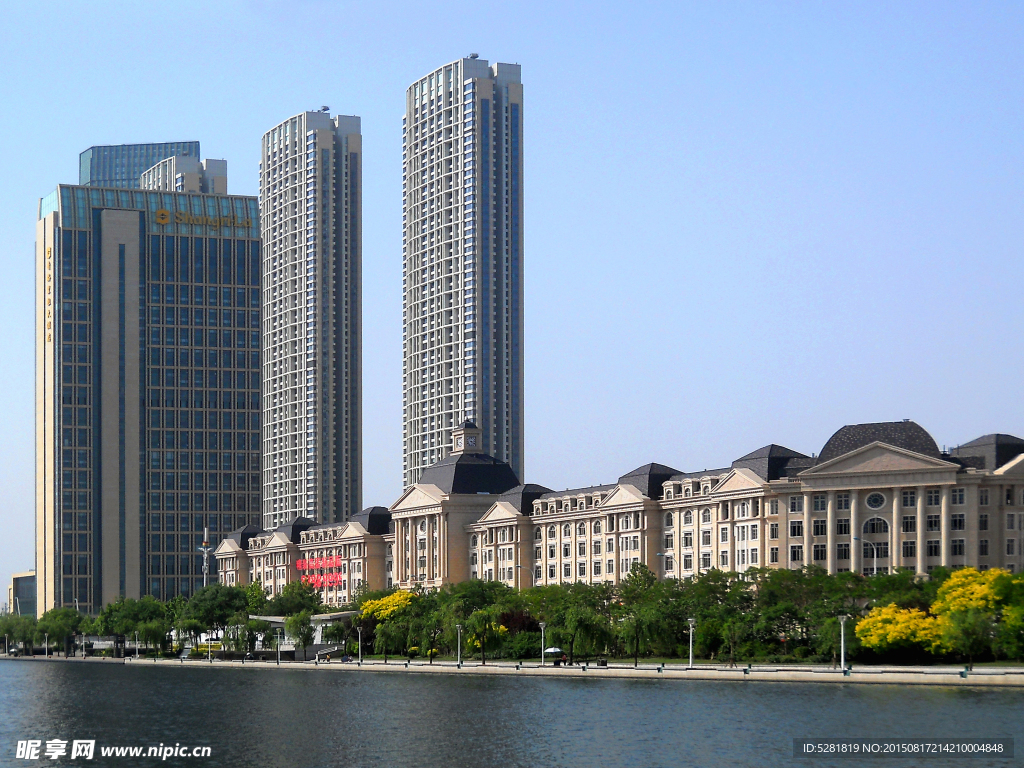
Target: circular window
875, 500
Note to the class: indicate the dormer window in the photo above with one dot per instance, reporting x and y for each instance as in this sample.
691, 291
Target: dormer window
687, 492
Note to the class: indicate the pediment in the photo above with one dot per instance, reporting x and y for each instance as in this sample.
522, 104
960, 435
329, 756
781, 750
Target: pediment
876, 458
227, 547
738, 480
623, 494
418, 496
1013, 468
500, 511
352, 529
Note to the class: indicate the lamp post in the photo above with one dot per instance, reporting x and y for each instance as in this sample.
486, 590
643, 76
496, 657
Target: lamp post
360, 631
542, 625
137, 645
533, 576
692, 623
874, 554
206, 549
842, 642
458, 628
277, 634
7, 650
46, 645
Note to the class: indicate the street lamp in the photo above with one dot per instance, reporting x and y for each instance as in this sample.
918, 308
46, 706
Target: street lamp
458, 628
874, 554
542, 625
533, 576
277, 634
46, 645
136, 645
692, 623
842, 642
360, 631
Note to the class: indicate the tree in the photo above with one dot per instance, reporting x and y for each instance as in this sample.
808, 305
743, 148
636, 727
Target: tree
968, 633
890, 627
296, 597
639, 613
300, 626
255, 598
213, 606
59, 624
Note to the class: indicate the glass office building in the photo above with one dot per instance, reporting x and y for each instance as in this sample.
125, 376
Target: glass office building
121, 165
147, 388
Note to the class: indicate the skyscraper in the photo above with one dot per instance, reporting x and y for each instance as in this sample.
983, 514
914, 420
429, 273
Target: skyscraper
463, 262
147, 388
121, 165
310, 212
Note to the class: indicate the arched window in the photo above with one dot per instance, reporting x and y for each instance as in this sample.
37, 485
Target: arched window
581, 529
668, 519
551, 531
567, 530
597, 526
705, 516
876, 525
423, 526
473, 540
537, 535
688, 517
687, 492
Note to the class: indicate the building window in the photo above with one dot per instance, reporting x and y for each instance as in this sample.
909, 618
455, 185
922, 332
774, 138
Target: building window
796, 503
773, 507
909, 524
537, 534
796, 553
983, 497
551, 531
909, 498
773, 555
910, 548
582, 569
566, 552
581, 529
1009, 522
983, 548
723, 559
820, 502
705, 560
670, 564
843, 551
597, 547
843, 501
983, 522
958, 497
567, 570
705, 538
705, 516
933, 497
597, 567
934, 548
820, 551
773, 530
688, 517
1009, 496
875, 500
957, 547
876, 550
687, 562
669, 541
1011, 545
551, 571
821, 527
934, 523
843, 526
551, 550
796, 528
688, 539
723, 535
956, 522
668, 519
581, 548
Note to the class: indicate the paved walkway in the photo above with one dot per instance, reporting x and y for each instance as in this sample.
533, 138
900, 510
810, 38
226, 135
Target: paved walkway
945, 675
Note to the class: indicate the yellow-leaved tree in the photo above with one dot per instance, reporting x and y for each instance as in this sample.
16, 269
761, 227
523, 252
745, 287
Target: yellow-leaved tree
891, 627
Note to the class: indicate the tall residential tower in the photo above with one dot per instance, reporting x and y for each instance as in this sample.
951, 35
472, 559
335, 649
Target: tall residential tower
463, 262
147, 389
310, 213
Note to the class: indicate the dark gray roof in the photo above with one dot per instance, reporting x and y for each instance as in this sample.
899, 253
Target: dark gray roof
678, 476
293, 528
577, 491
989, 451
470, 473
242, 535
374, 519
522, 496
648, 479
908, 435
771, 461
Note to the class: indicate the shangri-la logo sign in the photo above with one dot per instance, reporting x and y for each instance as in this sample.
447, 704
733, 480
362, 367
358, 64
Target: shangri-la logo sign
163, 217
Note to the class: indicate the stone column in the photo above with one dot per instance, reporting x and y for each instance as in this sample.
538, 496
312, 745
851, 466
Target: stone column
895, 554
971, 526
922, 550
945, 525
783, 542
808, 531
831, 532
856, 546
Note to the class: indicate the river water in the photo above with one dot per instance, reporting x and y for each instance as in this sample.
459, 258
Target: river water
275, 717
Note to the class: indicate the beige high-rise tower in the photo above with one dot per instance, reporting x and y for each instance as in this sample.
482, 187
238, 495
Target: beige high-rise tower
310, 220
462, 250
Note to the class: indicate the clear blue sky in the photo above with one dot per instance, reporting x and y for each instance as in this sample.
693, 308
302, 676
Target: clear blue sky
745, 223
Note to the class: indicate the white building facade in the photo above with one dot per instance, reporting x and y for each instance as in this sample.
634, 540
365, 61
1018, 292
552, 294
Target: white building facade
462, 254
310, 221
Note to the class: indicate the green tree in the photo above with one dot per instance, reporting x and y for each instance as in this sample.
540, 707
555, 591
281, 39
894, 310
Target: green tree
639, 614
59, 624
296, 597
255, 599
300, 626
969, 633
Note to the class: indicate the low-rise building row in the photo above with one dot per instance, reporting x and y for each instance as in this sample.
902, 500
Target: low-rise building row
878, 497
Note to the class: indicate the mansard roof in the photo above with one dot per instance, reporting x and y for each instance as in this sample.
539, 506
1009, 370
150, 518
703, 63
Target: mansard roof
242, 535
522, 496
648, 479
375, 520
293, 528
989, 451
772, 461
906, 434
470, 473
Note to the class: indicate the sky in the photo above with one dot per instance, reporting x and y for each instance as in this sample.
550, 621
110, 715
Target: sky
745, 223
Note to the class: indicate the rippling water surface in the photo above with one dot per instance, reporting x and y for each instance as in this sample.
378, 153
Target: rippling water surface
274, 717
